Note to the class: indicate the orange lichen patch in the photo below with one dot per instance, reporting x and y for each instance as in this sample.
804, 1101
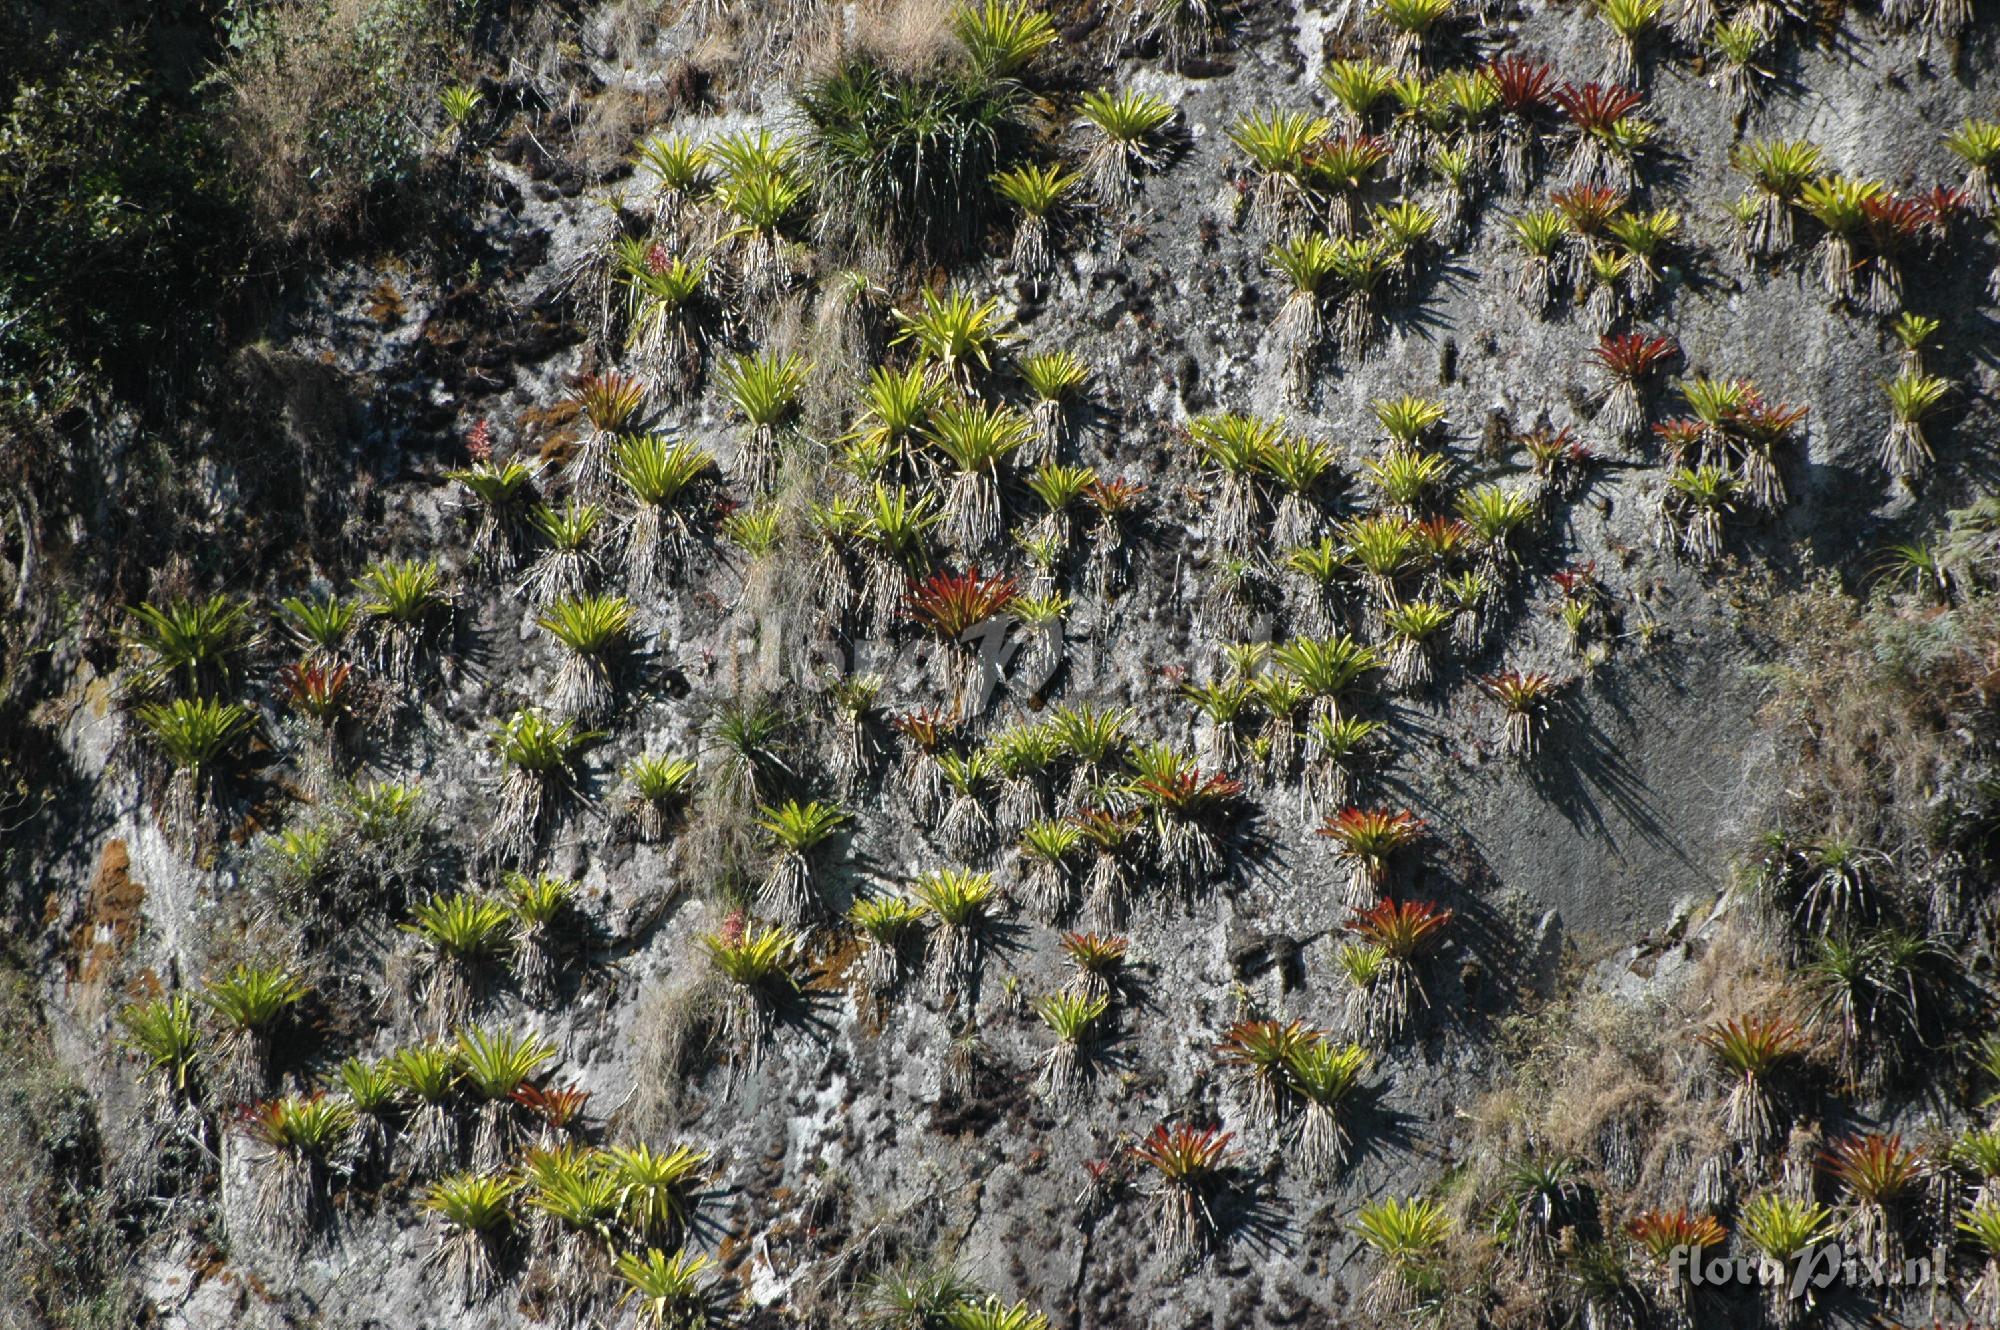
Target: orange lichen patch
832, 965
385, 304
551, 429
111, 916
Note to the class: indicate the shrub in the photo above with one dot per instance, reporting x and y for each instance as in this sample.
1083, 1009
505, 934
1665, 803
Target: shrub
910, 158
332, 109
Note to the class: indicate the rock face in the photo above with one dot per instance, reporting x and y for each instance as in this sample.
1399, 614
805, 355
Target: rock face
863, 1133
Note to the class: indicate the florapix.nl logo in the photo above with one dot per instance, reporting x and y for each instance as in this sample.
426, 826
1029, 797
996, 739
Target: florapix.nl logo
1818, 1268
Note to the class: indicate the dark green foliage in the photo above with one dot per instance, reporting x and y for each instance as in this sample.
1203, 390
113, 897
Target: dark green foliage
909, 156
120, 229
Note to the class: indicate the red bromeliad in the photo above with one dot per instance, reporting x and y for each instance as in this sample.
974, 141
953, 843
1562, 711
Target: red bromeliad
1366, 837
1595, 108
1189, 1162
952, 604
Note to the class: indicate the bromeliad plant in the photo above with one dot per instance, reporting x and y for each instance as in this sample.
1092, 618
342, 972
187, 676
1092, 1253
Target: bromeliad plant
1127, 133
1048, 849
1408, 1238
1778, 170
1630, 22
657, 788
1190, 811
760, 967
428, 1075
595, 632
163, 1033
473, 1217
954, 335
1099, 961
891, 924
1302, 469
1876, 1172
668, 1292
540, 759
1402, 932
1839, 204
1281, 146
1752, 1051
797, 833
538, 907
1336, 746
1364, 840
1066, 1066
1412, 626
1041, 196
567, 560
1977, 143
669, 484
1692, 507
976, 438
1327, 667
495, 1065
1784, 1229
466, 937
960, 903
249, 1005
764, 388
1609, 135
1056, 381
187, 644
959, 609
669, 312
300, 1138
1543, 236
1232, 449
659, 1192
1675, 1242
1259, 1054
1628, 360
1913, 396
1306, 261
408, 609
612, 405
1525, 698
1190, 1164
321, 625
499, 493
1323, 1077
198, 739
